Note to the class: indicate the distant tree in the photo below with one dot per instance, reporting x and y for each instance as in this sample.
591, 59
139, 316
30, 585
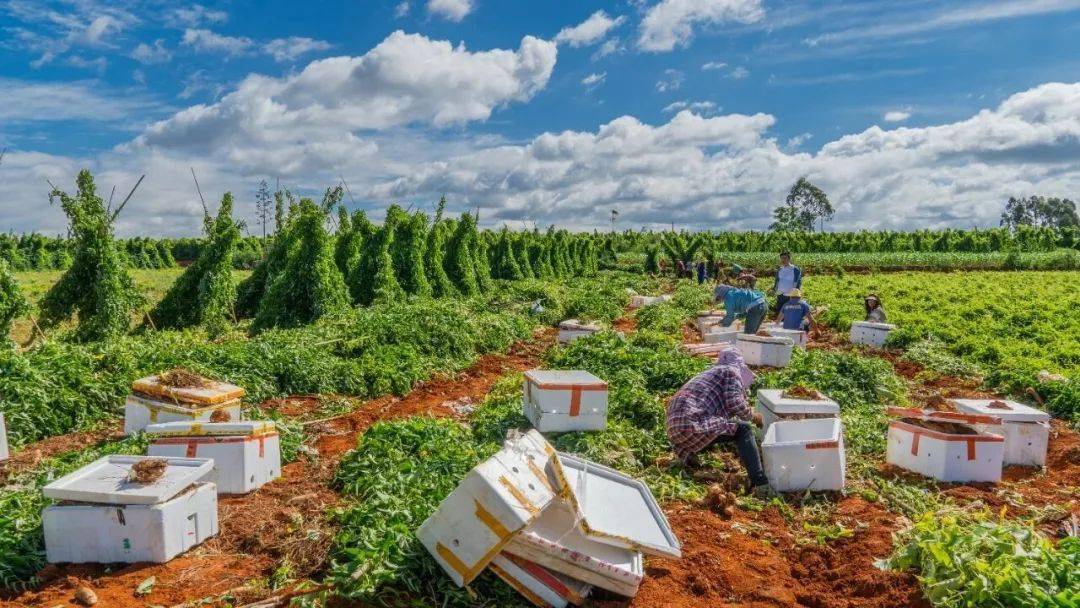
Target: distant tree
652, 260
1041, 212
804, 205
263, 201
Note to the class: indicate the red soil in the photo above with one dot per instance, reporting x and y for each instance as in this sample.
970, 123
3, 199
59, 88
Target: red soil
31, 455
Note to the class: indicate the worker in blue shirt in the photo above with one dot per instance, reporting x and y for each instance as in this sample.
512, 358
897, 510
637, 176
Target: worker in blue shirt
746, 303
788, 277
795, 313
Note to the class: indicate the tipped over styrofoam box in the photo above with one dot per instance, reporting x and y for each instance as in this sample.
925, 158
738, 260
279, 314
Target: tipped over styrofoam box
945, 445
4, 455
870, 334
764, 350
801, 455
104, 517
246, 454
774, 406
1026, 429
564, 400
542, 587
572, 329
498, 498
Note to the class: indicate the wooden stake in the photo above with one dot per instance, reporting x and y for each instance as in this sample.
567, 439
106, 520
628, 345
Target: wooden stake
127, 198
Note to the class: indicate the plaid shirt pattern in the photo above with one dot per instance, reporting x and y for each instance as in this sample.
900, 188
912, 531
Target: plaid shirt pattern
711, 404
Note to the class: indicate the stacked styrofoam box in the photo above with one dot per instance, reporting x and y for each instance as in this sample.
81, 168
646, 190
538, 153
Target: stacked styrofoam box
552, 525
3, 439
801, 455
572, 329
956, 457
764, 350
104, 518
246, 454
797, 336
564, 400
151, 402
707, 319
774, 406
1026, 429
870, 334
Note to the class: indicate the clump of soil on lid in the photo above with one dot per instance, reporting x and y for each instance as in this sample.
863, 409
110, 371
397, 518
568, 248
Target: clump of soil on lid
941, 426
998, 405
763, 333
220, 416
148, 471
179, 377
801, 392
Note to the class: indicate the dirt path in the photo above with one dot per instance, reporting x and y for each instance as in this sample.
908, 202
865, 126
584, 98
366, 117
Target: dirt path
29, 457
284, 519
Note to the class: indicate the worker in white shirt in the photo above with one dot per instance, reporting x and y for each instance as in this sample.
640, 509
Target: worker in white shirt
788, 277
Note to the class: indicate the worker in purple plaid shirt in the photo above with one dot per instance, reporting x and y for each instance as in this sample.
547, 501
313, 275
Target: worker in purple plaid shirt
712, 408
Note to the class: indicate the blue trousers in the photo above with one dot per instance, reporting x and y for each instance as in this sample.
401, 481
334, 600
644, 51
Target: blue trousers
754, 316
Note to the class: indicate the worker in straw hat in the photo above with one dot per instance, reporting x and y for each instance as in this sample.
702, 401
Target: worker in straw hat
742, 302
795, 313
874, 311
712, 408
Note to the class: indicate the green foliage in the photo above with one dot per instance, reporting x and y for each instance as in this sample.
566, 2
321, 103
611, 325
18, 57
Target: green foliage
396, 477
652, 260
805, 204
932, 353
408, 250
22, 542
12, 303
459, 256
205, 294
504, 262
973, 561
310, 285
96, 288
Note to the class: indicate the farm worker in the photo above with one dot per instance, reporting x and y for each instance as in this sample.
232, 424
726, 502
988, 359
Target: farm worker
702, 274
874, 312
788, 277
748, 280
712, 408
742, 303
795, 313
680, 269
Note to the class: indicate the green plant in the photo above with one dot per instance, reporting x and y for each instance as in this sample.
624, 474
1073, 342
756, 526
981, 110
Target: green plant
12, 303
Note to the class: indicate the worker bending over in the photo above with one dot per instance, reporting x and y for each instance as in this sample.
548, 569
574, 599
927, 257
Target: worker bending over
712, 408
741, 302
795, 313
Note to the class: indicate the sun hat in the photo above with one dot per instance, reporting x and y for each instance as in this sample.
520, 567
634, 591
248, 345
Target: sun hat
732, 358
795, 293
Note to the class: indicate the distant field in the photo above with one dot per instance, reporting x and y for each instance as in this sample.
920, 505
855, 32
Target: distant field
152, 283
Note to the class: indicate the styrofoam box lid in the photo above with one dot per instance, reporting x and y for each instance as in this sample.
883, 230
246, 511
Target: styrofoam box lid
217, 392
186, 428
773, 399
558, 535
105, 481
541, 377
576, 324
959, 417
872, 325
1017, 412
616, 510
765, 339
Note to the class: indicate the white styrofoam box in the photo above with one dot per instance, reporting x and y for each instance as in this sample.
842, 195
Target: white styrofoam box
774, 406
564, 400
140, 412
96, 533
105, 481
212, 394
718, 335
797, 336
639, 301
572, 329
953, 457
539, 585
708, 319
614, 509
3, 439
706, 349
764, 350
499, 497
1026, 429
871, 334
800, 455
556, 542
246, 454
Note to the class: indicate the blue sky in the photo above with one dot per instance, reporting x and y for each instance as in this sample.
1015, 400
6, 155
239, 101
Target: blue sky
698, 112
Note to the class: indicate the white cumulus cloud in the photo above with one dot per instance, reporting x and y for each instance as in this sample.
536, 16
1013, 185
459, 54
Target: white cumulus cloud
897, 116
594, 79
670, 23
452, 10
590, 31
206, 41
150, 54
287, 49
